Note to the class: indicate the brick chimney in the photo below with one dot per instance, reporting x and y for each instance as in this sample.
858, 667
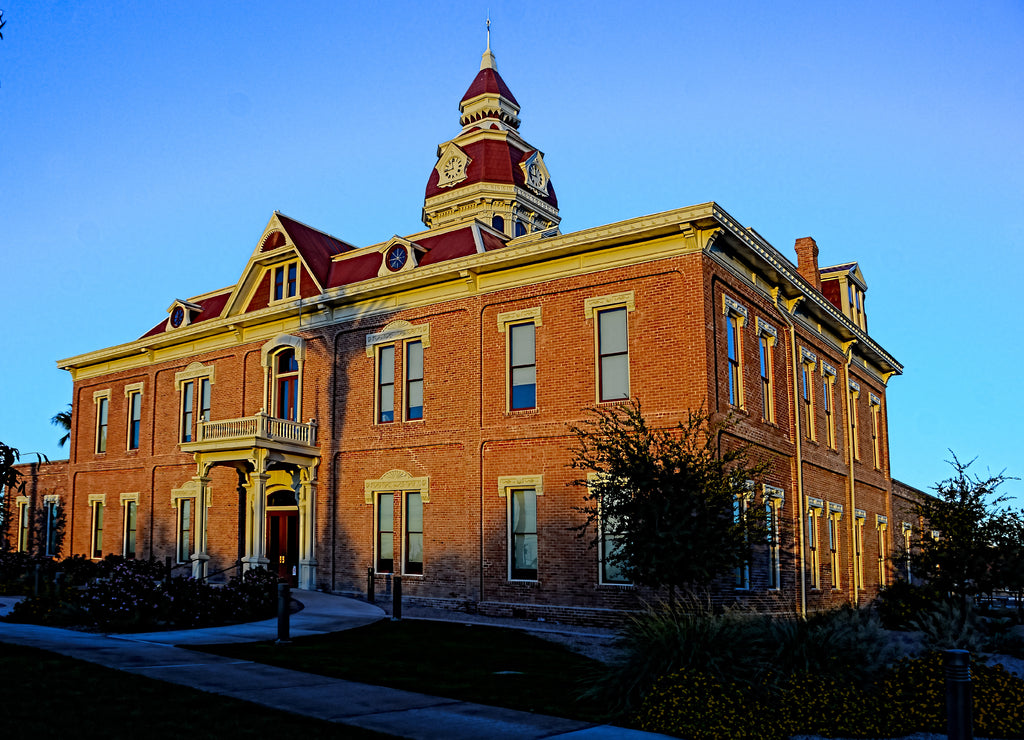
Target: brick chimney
807, 261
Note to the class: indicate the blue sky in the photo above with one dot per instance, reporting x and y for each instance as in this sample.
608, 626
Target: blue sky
145, 146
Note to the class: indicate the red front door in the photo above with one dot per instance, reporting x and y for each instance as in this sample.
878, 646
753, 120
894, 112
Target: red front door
283, 545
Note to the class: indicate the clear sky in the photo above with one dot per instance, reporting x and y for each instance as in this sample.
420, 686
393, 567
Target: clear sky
144, 147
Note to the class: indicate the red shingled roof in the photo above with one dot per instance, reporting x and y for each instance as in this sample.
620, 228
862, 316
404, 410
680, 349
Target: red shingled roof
354, 269
315, 246
492, 160
447, 246
489, 81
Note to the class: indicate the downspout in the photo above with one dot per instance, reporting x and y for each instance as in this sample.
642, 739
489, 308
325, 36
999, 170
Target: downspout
850, 431
786, 309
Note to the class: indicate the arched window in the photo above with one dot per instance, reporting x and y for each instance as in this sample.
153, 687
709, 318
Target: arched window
498, 223
286, 385
520, 228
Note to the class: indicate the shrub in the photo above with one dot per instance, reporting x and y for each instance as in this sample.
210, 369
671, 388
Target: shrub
899, 603
950, 624
910, 697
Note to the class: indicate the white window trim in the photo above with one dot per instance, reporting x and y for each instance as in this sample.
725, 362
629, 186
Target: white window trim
613, 300
776, 498
195, 372
395, 481
405, 381
24, 506
268, 352
93, 499
506, 485
272, 271
97, 396
128, 498
591, 308
130, 390
507, 319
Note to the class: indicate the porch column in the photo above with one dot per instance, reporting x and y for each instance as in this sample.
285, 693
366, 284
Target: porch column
256, 515
200, 558
307, 526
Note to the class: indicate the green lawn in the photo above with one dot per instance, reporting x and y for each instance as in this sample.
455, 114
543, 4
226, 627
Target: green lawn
51, 696
489, 665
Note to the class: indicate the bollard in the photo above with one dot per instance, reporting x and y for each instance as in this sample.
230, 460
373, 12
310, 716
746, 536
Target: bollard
396, 598
35, 587
371, 597
283, 602
58, 580
959, 725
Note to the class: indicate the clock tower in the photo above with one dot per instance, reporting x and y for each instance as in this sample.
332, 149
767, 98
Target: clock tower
488, 172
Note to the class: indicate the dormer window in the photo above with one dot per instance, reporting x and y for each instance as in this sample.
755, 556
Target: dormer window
182, 314
286, 282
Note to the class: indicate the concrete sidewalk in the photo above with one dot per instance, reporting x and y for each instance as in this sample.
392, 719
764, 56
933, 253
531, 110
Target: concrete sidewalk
392, 711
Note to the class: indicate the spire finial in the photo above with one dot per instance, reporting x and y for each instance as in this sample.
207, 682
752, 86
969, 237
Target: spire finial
488, 61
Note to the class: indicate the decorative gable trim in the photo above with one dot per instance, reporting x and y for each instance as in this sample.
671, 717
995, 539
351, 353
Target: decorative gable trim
397, 480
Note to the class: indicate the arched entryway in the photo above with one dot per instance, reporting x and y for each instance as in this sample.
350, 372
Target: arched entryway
283, 535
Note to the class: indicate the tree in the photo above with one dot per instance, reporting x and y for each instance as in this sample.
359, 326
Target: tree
1008, 564
964, 512
10, 481
62, 419
666, 506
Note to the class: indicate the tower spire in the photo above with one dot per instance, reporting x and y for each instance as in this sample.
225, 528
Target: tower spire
488, 61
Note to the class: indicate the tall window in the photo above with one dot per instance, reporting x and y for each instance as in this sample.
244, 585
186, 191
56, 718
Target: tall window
386, 385
739, 509
734, 353
883, 550
523, 535
876, 437
613, 354
96, 540
772, 506
767, 402
858, 549
194, 383
130, 514
134, 419
102, 405
854, 423
414, 380
51, 533
187, 413
385, 532
611, 544
814, 563
807, 394
286, 385
833, 547
523, 366
413, 551
184, 546
23, 526
286, 281
827, 404
908, 531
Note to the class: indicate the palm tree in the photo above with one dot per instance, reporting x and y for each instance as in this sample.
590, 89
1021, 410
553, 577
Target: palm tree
62, 419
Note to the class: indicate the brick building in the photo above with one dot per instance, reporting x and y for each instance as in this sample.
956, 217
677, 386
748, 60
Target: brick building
404, 405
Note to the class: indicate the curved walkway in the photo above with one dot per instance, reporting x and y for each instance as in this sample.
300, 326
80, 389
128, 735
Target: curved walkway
392, 711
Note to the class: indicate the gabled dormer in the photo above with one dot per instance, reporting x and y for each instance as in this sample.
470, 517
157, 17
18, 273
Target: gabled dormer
181, 314
844, 287
398, 255
291, 261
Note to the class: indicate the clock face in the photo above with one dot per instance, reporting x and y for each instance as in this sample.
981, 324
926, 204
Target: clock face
451, 167
177, 316
395, 258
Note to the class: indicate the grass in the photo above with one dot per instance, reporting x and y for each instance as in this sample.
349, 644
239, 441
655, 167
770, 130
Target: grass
483, 664
52, 696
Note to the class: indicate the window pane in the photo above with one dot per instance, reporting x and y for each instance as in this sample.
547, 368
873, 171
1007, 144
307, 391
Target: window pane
204, 399
524, 396
414, 361
387, 403
523, 344
278, 283
416, 399
612, 331
414, 513
524, 534
414, 534
386, 372
186, 412
614, 377
291, 280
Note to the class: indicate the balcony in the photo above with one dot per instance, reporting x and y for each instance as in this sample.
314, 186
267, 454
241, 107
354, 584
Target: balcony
251, 432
